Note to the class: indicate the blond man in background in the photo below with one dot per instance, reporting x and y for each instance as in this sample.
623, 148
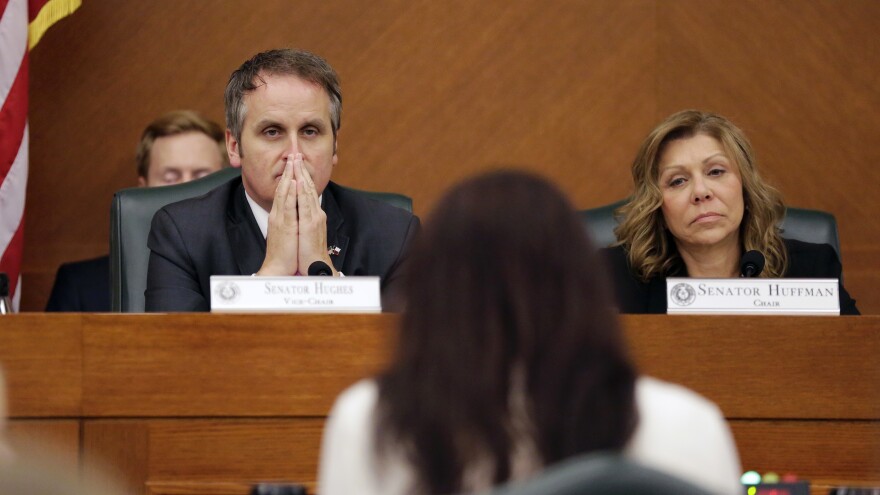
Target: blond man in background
177, 147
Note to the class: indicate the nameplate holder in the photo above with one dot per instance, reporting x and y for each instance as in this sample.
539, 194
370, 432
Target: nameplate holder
236, 293
753, 296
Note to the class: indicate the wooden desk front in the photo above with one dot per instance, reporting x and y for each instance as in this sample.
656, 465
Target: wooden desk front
200, 403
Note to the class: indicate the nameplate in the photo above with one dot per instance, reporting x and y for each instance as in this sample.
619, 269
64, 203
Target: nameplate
756, 296
234, 293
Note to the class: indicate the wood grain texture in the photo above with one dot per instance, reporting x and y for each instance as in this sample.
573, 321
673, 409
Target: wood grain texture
198, 488
42, 360
41, 439
758, 367
115, 450
193, 456
435, 92
810, 449
226, 365
187, 403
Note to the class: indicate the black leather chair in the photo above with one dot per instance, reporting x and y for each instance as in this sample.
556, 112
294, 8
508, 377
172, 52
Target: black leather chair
132, 212
600, 474
802, 224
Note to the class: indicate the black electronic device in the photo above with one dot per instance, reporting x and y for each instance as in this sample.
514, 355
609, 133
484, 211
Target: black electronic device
781, 488
278, 489
752, 264
319, 268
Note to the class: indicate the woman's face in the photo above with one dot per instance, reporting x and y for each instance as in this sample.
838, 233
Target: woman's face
702, 192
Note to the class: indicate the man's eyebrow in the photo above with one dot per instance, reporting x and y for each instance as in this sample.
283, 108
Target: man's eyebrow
262, 123
318, 122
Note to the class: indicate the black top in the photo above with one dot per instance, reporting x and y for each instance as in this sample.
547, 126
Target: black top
82, 286
805, 260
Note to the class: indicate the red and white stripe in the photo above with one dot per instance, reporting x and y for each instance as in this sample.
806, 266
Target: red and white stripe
13, 138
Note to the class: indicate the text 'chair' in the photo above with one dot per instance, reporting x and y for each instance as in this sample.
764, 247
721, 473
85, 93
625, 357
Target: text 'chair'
131, 215
801, 224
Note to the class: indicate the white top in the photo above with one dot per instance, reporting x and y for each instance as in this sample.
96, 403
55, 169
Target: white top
679, 433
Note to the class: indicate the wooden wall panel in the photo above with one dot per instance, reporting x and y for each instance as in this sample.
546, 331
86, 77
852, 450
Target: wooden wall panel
201, 365
437, 91
116, 450
772, 364
810, 449
205, 455
41, 357
179, 404
55, 440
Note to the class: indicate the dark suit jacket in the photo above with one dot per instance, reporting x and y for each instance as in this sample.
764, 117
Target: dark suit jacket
82, 286
805, 260
216, 234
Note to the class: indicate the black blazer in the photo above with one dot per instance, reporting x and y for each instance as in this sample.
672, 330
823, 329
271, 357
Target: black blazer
805, 260
82, 286
216, 234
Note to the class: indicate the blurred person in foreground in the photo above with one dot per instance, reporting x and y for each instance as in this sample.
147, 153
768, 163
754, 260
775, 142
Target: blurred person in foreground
510, 358
5, 451
175, 148
40, 470
283, 114
699, 204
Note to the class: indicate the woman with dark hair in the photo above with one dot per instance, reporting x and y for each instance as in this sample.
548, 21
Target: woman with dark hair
699, 203
510, 358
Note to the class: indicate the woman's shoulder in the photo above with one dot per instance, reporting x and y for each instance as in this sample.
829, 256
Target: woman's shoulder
671, 399
684, 434
631, 294
811, 260
673, 413
617, 263
808, 248
356, 402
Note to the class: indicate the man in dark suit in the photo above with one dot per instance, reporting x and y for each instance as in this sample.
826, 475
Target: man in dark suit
283, 214
177, 147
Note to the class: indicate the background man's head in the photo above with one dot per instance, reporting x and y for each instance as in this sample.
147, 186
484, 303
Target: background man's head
278, 104
178, 147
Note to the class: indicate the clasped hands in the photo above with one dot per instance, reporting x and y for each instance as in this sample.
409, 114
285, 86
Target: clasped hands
297, 234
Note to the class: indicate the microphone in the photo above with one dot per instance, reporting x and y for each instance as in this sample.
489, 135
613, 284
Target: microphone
751, 265
323, 269
5, 303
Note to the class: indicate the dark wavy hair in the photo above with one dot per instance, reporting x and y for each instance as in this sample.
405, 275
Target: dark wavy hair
507, 303
642, 230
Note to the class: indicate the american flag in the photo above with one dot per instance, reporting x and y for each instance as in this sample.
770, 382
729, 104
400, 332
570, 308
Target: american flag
22, 24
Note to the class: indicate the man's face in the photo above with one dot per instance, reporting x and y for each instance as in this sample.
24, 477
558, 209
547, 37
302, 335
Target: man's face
181, 158
284, 116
